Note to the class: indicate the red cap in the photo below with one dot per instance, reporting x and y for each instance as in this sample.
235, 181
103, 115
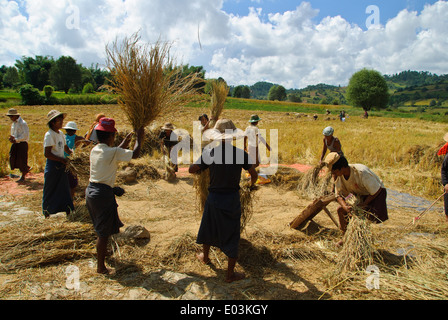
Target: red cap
106, 124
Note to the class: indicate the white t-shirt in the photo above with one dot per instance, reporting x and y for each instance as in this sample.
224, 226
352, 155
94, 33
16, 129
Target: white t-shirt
254, 136
362, 181
55, 140
104, 163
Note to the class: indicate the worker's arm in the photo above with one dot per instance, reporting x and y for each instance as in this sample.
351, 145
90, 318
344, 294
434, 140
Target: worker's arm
50, 156
324, 151
138, 143
343, 204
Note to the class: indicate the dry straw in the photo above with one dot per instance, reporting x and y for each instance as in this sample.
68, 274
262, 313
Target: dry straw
148, 84
219, 91
313, 184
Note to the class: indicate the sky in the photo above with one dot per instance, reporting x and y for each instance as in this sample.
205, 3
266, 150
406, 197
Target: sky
289, 42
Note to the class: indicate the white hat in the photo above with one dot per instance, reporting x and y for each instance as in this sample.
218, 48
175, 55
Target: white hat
223, 130
71, 126
328, 131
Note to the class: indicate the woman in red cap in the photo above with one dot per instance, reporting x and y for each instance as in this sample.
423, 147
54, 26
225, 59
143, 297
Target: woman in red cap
100, 194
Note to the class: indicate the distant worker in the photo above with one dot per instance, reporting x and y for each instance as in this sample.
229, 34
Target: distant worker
331, 143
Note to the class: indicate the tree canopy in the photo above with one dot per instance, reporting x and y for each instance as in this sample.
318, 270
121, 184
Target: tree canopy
368, 89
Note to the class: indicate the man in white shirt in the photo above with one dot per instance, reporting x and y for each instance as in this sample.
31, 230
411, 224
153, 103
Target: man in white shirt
360, 181
100, 193
19, 137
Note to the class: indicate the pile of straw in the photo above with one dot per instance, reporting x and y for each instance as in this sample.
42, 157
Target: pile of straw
286, 178
148, 84
313, 185
31, 244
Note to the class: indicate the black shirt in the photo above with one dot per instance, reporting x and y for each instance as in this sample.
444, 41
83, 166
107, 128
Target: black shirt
225, 163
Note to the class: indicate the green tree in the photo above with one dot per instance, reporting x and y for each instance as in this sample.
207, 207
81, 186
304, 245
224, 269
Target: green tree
35, 71
11, 77
66, 74
368, 89
241, 92
277, 92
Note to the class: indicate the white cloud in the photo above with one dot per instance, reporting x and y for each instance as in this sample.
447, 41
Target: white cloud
290, 48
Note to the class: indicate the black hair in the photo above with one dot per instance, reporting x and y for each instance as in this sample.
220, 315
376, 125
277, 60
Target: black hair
51, 122
103, 136
341, 163
203, 116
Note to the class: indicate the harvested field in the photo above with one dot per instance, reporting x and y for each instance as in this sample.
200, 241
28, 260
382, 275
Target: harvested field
280, 263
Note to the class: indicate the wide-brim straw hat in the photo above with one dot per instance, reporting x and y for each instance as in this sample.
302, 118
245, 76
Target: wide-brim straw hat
168, 126
12, 112
54, 114
331, 159
445, 137
224, 129
71, 126
254, 118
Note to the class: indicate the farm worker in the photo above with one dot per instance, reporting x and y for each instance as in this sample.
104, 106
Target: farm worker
203, 126
56, 194
72, 141
252, 138
19, 137
221, 219
331, 143
91, 134
168, 139
445, 183
100, 193
360, 181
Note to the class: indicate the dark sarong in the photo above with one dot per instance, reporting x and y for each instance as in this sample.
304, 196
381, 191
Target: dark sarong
220, 225
100, 200
56, 194
378, 207
72, 180
18, 156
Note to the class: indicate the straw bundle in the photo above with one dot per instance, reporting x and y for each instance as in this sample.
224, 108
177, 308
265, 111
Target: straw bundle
201, 183
312, 184
79, 164
247, 197
147, 83
219, 92
358, 250
170, 173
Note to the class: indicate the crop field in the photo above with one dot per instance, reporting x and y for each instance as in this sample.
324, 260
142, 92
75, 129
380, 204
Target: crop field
279, 262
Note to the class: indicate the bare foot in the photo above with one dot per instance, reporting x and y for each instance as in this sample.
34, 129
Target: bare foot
201, 258
103, 270
235, 277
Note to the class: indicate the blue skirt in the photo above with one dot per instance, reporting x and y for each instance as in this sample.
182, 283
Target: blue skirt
56, 194
221, 223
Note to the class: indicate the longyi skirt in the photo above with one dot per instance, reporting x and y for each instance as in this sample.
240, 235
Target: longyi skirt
56, 194
221, 221
102, 206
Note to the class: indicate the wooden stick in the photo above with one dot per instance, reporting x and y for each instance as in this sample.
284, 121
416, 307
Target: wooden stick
424, 212
331, 216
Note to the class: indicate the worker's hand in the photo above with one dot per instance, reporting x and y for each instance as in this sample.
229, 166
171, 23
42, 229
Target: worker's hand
446, 188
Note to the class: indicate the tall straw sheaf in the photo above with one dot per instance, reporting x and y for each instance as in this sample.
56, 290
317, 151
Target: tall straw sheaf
146, 80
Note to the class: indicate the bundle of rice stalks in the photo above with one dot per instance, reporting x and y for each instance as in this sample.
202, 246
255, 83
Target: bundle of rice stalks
146, 81
247, 198
219, 91
287, 178
201, 183
80, 214
31, 244
79, 164
358, 250
184, 246
170, 172
313, 185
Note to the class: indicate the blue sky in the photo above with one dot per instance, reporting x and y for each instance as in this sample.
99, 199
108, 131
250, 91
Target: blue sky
293, 43
353, 11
